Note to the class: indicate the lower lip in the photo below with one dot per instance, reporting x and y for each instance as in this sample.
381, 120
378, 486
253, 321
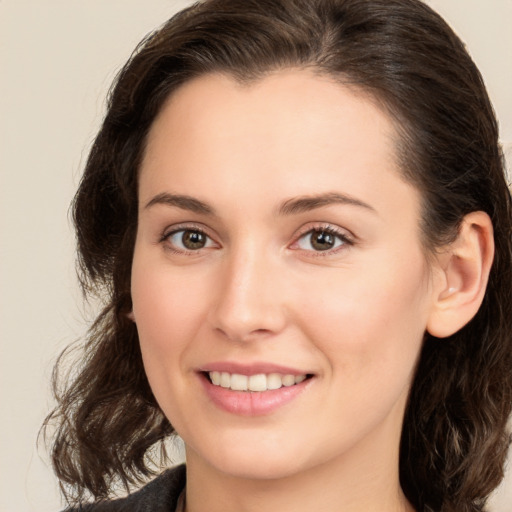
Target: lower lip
252, 403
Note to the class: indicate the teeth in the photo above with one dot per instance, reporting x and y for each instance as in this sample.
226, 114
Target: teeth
258, 382
239, 382
288, 380
225, 380
274, 381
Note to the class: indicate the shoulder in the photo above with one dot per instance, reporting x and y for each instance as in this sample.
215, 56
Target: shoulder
159, 495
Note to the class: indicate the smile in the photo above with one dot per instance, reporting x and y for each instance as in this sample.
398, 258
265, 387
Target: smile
255, 389
259, 382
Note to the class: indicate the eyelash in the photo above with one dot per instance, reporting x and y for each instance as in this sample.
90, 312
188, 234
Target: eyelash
165, 239
345, 239
341, 236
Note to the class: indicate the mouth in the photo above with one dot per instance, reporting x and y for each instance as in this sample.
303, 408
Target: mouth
254, 390
254, 383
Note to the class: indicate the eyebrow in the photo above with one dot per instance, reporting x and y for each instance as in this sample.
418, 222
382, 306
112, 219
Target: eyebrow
292, 206
307, 203
181, 201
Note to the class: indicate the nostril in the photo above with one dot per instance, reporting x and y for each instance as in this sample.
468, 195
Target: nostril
243, 335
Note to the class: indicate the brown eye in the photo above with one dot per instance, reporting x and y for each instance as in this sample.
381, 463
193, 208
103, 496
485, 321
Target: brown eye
193, 239
320, 240
189, 240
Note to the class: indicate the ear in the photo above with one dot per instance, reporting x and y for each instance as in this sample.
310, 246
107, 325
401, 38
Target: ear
130, 315
462, 275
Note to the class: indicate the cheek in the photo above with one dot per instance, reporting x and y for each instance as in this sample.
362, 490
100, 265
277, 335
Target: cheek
369, 330
167, 308
370, 318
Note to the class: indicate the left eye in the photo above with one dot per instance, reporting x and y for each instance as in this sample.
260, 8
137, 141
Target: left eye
190, 240
320, 240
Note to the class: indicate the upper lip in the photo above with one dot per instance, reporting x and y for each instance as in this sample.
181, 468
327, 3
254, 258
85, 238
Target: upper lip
250, 368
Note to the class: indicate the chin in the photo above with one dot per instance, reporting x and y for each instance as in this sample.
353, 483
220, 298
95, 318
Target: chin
259, 468
253, 461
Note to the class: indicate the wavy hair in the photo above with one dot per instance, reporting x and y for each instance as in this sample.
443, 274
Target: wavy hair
404, 56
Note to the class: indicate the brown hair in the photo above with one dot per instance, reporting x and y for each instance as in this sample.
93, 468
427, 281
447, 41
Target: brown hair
454, 439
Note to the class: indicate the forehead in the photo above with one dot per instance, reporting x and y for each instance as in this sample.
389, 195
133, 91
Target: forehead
302, 97
289, 133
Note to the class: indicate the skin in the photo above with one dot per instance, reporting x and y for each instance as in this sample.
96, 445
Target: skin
353, 316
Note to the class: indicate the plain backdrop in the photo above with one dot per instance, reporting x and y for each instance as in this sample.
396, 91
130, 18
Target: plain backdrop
57, 60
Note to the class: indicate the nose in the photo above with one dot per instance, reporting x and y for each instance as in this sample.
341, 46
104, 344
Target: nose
250, 303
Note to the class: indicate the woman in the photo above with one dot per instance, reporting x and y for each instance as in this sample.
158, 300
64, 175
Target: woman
297, 216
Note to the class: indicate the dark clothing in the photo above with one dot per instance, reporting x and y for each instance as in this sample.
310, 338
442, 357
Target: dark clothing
159, 495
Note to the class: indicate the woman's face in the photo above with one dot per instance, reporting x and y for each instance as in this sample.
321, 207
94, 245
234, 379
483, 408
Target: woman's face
277, 245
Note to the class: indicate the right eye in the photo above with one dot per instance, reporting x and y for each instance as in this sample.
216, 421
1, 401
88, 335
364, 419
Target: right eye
187, 240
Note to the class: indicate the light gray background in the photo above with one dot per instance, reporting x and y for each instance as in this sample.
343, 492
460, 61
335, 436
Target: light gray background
57, 59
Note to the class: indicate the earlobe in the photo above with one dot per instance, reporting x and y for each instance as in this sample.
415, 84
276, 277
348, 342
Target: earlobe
131, 316
464, 269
